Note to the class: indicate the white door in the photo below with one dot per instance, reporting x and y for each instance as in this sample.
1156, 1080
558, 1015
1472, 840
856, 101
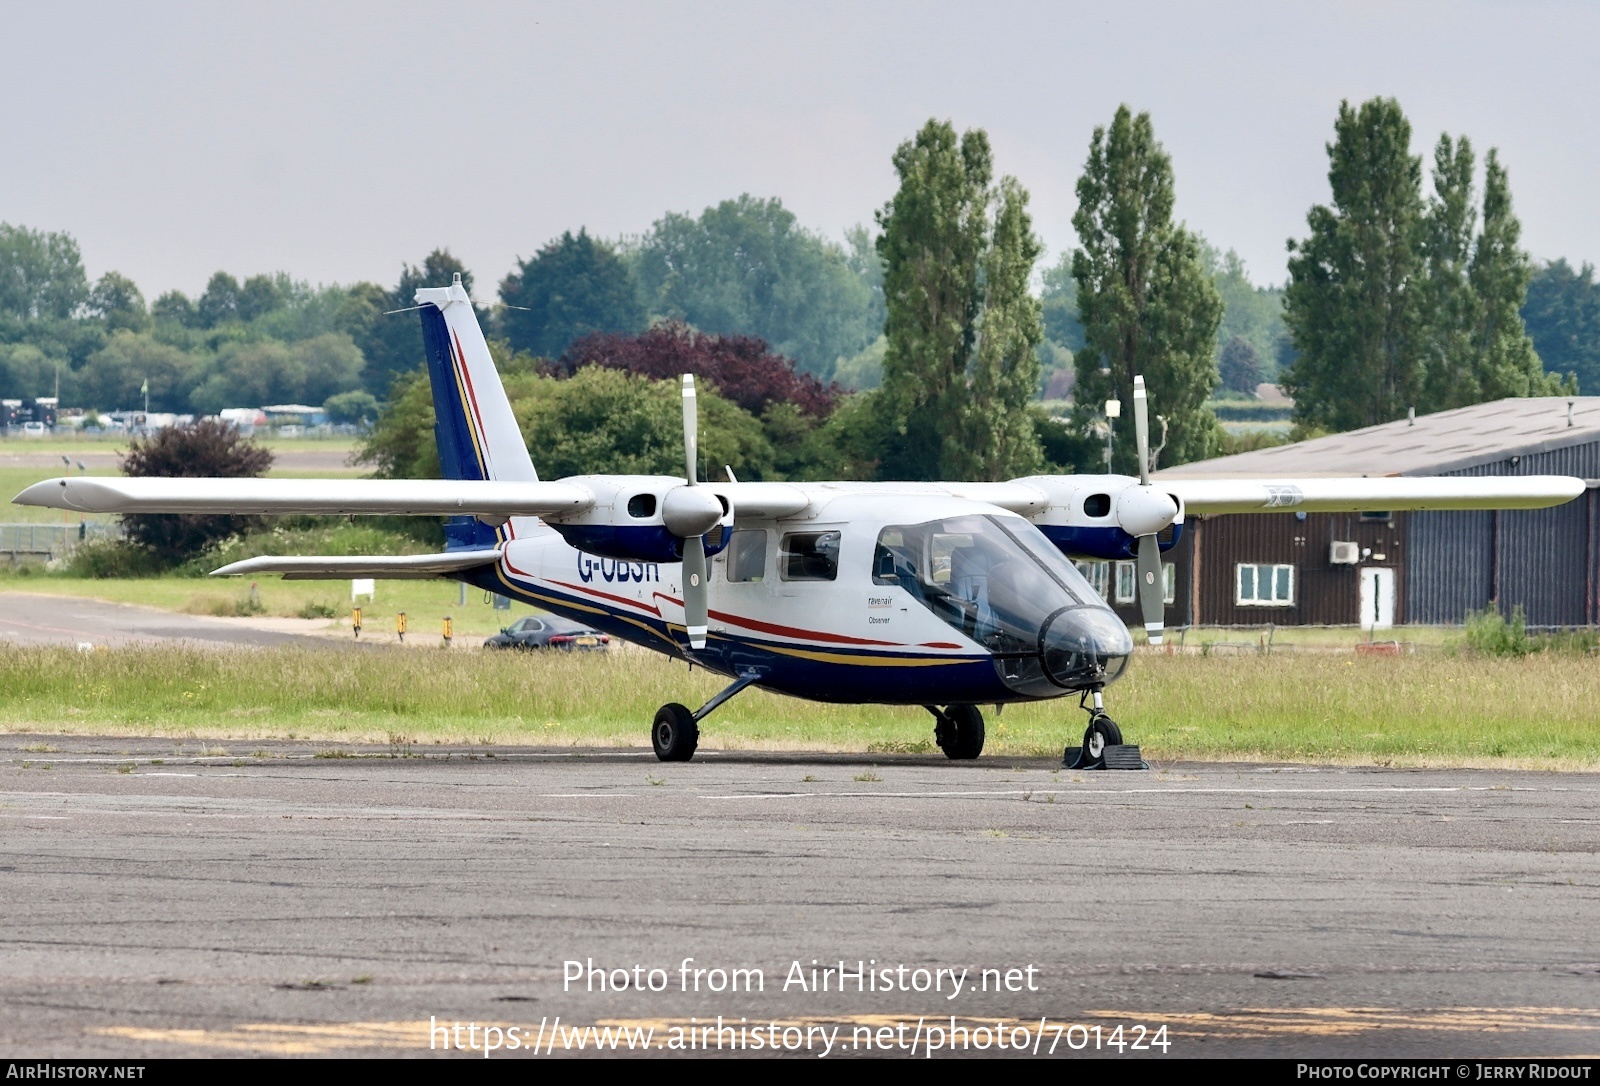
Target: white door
1377, 598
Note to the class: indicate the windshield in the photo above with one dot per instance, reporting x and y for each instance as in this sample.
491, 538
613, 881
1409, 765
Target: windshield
1006, 587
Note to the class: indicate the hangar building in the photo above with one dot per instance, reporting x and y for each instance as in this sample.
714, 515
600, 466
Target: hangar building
1380, 568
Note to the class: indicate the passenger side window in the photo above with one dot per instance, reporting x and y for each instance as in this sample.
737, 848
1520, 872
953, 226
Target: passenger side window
747, 556
809, 556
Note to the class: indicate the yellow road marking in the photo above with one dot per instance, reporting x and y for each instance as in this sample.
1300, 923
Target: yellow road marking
1249, 1023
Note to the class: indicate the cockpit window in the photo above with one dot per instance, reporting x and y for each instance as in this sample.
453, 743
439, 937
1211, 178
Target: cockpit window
988, 581
1000, 582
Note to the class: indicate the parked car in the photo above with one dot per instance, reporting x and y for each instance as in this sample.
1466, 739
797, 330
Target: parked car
34, 429
549, 632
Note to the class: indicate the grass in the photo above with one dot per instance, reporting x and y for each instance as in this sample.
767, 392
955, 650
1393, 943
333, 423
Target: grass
1434, 709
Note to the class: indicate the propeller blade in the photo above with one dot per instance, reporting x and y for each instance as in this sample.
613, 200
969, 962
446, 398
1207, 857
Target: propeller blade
694, 590
691, 431
1152, 588
1141, 423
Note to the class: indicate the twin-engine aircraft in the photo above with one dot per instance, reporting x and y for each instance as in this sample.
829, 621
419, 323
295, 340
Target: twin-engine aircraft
944, 595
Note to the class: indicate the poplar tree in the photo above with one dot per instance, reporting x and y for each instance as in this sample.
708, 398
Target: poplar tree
999, 441
1356, 304
1448, 227
1147, 304
1504, 362
961, 328
932, 245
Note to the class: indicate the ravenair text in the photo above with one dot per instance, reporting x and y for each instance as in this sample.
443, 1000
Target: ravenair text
616, 570
870, 975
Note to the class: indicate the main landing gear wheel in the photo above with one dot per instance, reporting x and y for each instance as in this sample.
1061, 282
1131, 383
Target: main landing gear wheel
1101, 733
675, 734
958, 729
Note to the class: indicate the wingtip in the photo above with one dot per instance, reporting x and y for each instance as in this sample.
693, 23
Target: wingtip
39, 493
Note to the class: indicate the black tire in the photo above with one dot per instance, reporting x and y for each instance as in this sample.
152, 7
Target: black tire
959, 732
675, 733
1101, 733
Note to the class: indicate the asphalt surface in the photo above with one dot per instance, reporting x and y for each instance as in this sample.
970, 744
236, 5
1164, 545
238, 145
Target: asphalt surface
164, 899
27, 619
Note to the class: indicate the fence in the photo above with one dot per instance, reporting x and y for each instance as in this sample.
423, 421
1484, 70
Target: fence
47, 541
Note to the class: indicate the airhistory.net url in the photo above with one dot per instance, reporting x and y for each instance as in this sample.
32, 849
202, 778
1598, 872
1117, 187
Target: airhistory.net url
926, 1036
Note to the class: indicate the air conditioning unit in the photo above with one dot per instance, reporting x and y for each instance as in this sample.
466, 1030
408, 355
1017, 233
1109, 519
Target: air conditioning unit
1344, 554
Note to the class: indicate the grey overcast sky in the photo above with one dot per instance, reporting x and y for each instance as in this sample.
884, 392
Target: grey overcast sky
336, 141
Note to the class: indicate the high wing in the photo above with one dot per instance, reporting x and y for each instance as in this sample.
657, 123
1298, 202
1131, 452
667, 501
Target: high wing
391, 497
338, 567
1388, 494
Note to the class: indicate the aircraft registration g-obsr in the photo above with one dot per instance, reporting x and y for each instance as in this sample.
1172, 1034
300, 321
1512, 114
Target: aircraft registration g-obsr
944, 595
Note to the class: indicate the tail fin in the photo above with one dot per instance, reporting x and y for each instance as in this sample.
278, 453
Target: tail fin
476, 431
474, 428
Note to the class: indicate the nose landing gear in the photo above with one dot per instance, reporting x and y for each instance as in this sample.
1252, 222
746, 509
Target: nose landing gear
1102, 747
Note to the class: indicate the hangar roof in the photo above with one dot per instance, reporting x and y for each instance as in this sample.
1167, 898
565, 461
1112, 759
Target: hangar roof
1429, 445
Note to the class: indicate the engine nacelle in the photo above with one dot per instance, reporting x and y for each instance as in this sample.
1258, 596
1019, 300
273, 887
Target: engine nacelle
625, 521
1102, 516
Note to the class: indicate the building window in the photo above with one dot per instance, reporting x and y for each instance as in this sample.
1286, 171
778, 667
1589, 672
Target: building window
1265, 586
747, 555
809, 556
1127, 582
1098, 574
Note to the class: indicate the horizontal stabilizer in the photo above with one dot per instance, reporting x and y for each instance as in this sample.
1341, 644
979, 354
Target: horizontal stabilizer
1385, 494
390, 497
339, 567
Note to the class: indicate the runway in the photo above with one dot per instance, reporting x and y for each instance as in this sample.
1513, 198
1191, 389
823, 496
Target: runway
36, 619
165, 899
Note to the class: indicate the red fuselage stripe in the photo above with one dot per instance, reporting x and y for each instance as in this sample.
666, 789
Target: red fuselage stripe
472, 397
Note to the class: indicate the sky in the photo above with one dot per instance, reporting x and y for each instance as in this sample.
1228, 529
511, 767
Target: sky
339, 141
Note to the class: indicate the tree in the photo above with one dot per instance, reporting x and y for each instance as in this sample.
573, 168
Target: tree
332, 365
262, 294
355, 408
1252, 313
745, 267
1148, 305
1356, 304
935, 234
174, 307
220, 302
598, 420
250, 374
41, 275
1239, 366
116, 300
1562, 315
1451, 308
204, 448
113, 376
393, 342
1059, 305
742, 368
998, 438
1504, 362
573, 287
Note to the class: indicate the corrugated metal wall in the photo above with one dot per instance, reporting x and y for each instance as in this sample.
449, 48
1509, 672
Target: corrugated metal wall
1544, 560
